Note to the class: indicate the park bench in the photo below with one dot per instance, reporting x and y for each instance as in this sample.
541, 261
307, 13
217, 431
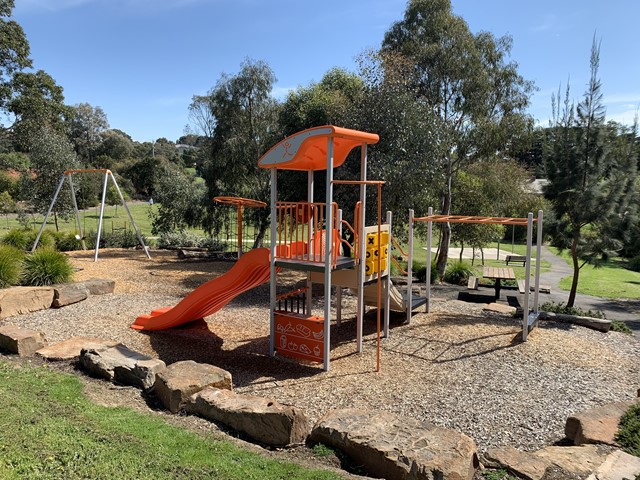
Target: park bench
541, 289
516, 259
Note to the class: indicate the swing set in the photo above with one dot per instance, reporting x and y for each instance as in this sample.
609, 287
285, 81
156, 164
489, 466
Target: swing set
68, 175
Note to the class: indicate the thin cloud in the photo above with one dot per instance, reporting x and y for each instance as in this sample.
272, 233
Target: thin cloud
49, 6
547, 24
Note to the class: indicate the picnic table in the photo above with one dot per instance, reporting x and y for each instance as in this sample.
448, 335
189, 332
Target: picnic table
498, 274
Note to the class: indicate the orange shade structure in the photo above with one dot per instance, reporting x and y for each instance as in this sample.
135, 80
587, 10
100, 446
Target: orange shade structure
307, 150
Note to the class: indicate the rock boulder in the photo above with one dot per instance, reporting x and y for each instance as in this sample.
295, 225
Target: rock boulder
262, 419
180, 380
596, 425
23, 341
21, 300
395, 447
121, 365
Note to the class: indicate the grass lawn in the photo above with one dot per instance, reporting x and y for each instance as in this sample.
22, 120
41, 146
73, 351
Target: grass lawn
113, 219
51, 431
612, 280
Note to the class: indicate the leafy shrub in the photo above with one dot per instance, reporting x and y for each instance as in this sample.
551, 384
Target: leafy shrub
618, 326
178, 239
16, 237
46, 266
634, 264
212, 244
558, 307
458, 273
184, 239
421, 272
117, 239
67, 242
47, 239
23, 239
628, 435
10, 265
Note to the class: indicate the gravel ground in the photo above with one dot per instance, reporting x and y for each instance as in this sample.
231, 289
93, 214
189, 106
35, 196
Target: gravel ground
457, 366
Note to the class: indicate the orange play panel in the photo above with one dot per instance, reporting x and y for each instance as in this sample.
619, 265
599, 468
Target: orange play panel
300, 336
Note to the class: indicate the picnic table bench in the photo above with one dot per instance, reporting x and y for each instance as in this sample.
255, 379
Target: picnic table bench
498, 274
516, 259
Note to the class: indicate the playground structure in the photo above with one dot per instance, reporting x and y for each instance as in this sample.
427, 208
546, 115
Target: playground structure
307, 236
68, 175
240, 203
529, 319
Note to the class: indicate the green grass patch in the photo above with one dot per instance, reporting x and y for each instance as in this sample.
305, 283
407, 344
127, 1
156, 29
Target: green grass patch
51, 431
612, 280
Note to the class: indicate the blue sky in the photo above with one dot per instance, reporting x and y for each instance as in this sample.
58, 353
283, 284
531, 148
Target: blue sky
141, 61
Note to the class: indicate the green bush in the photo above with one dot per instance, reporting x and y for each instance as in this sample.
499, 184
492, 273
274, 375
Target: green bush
628, 435
47, 239
23, 239
67, 242
117, 239
184, 239
458, 273
634, 264
10, 265
16, 237
421, 272
562, 308
620, 326
46, 266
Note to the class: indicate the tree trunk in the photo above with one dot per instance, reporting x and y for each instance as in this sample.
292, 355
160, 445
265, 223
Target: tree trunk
55, 221
461, 250
445, 238
264, 224
576, 270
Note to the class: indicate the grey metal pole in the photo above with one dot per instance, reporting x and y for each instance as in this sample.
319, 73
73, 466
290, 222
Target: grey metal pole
361, 247
124, 204
328, 252
75, 210
410, 268
387, 298
46, 217
272, 263
338, 287
527, 278
104, 197
538, 262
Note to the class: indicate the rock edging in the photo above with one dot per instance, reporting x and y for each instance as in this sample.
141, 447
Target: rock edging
386, 444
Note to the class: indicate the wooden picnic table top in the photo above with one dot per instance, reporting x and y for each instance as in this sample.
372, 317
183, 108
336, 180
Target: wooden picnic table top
505, 273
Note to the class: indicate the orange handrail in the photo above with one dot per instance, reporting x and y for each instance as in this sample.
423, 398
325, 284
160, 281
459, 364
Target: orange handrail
395, 242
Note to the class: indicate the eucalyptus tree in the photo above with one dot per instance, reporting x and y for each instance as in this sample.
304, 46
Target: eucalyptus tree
245, 128
475, 95
51, 154
588, 180
87, 125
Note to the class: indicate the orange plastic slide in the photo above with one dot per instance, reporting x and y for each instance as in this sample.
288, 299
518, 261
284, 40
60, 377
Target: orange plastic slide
251, 270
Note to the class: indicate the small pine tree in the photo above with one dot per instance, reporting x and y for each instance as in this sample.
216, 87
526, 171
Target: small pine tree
585, 183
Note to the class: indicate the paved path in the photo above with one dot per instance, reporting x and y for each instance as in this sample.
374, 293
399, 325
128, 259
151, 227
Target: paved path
627, 311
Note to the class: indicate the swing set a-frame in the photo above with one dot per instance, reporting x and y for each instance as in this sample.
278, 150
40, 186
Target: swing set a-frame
68, 175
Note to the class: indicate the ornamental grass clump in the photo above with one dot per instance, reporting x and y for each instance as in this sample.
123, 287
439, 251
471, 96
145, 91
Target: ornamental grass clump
458, 273
629, 431
46, 266
10, 265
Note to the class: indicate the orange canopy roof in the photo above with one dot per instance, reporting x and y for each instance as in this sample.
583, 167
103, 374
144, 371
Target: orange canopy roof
307, 150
